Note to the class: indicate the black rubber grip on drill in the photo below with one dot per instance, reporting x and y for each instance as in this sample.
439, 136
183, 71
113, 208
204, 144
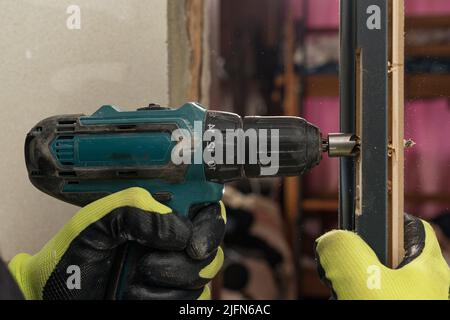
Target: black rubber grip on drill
299, 144
288, 146
229, 167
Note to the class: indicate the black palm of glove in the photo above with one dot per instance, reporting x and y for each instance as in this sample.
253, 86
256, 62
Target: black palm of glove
178, 256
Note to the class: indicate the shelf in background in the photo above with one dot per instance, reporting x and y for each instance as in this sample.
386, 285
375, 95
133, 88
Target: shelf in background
427, 22
324, 30
437, 198
434, 50
425, 86
417, 86
322, 85
331, 204
326, 205
411, 23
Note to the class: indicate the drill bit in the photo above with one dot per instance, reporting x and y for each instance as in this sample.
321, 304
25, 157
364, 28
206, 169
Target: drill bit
341, 145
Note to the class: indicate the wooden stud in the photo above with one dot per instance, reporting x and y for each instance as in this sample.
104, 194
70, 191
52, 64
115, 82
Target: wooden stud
194, 25
396, 132
291, 102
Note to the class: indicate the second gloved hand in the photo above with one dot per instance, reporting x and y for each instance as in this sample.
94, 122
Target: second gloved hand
180, 256
352, 270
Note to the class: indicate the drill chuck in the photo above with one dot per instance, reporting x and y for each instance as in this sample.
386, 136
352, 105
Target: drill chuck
295, 144
270, 146
341, 145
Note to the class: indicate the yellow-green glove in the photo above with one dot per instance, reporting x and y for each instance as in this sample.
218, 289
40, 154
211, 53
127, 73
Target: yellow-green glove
180, 256
352, 270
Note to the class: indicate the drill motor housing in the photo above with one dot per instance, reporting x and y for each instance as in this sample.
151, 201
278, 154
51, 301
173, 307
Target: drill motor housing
79, 159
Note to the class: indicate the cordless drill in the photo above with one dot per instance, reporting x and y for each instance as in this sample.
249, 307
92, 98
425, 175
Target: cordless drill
79, 159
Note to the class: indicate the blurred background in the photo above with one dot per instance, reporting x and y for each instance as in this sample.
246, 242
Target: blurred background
281, 58
252, 57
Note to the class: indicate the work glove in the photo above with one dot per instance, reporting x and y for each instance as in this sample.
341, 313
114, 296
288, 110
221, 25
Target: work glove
350, 268
180, 257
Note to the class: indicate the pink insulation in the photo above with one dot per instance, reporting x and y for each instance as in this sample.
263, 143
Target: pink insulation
427, 171
427, 122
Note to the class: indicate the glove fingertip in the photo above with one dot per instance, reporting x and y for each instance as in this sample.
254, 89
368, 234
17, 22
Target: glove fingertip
341, 236
223, 212
142, 199
211, 270
208, 232
206, 294
342, 246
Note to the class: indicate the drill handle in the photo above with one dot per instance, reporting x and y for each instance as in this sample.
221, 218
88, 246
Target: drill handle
123, 269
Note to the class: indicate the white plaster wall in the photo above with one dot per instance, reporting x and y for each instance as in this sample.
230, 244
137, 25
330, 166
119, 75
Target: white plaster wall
118, 57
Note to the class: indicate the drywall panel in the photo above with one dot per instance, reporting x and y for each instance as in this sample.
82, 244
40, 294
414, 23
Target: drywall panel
56, 57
